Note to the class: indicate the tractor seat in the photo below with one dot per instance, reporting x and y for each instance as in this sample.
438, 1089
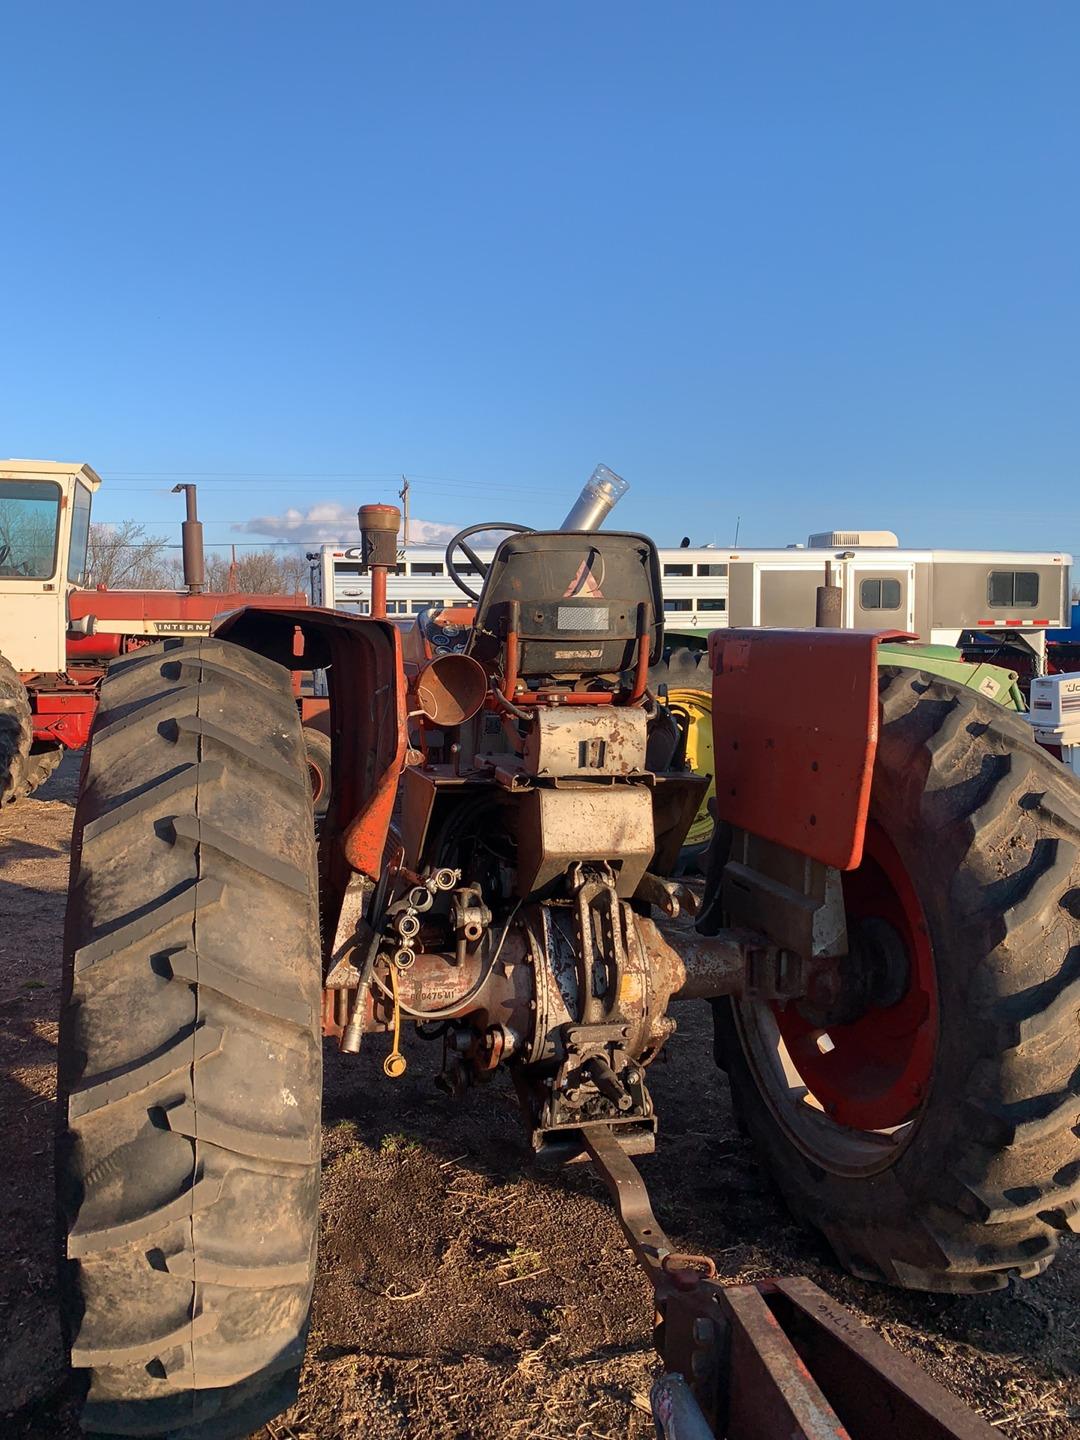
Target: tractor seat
572, 598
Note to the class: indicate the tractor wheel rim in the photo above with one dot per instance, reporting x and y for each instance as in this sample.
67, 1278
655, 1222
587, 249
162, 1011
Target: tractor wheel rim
851, 1095
318, 782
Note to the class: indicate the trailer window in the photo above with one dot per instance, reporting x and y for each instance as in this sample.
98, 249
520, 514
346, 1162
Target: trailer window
677, 605
1010, 589
879, 594
29, 526
712, 603
80, 536
678, 569
712, 569
427, 567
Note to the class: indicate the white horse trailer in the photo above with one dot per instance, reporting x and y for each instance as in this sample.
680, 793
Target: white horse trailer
942, 596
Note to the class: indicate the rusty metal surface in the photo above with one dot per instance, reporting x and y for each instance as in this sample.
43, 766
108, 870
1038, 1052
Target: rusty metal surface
891, 1396
449, 689
558, 827
795, 723
765, 1389
774, 1361
593, 739
632, 1204
700, 967
735, 961
773, 890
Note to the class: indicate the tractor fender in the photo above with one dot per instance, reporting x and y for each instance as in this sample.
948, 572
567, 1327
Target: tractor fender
363, 664
795, 727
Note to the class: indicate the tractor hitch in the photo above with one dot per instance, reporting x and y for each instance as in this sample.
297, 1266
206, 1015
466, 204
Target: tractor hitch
777, 1360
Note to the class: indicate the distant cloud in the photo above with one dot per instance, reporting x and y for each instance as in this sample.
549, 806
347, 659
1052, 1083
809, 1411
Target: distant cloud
330, 522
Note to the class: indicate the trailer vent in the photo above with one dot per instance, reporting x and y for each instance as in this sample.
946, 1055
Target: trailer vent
853, 539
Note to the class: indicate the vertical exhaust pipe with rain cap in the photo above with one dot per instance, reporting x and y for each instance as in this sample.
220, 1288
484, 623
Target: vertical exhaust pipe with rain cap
599, 495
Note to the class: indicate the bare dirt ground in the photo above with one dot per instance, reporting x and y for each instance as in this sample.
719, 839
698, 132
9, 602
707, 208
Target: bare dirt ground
460, 1294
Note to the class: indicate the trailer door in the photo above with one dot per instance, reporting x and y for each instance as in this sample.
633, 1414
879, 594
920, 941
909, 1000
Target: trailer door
785, 595
879, 597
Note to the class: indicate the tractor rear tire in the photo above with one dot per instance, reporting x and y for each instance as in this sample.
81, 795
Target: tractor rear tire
16, 734
975, 1188
189, 1051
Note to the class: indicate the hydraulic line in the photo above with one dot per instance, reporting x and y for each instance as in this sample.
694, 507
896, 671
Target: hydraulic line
449, 1012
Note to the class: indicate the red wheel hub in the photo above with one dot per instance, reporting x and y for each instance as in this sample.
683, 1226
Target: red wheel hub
318, 782
872, 1074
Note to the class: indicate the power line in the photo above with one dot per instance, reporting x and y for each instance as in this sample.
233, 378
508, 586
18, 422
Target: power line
227, 544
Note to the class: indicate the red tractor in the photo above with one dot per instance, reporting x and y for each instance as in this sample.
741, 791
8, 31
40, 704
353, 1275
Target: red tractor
57, 639
888, 939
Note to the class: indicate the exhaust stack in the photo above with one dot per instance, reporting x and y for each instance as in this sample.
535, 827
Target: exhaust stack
599, 495
192, 544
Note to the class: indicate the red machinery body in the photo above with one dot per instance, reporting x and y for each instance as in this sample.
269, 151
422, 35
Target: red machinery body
64, 704
795, 728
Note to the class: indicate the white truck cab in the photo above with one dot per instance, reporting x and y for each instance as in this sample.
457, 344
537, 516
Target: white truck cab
44, 532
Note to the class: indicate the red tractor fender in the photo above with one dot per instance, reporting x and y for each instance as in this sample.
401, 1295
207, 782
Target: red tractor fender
795, 729
362, 658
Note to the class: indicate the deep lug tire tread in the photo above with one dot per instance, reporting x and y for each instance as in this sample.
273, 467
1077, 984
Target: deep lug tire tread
16, 736
190, 1060
988, 825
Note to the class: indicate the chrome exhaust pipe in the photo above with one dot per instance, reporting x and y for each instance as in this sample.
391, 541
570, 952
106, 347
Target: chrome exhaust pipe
599, 495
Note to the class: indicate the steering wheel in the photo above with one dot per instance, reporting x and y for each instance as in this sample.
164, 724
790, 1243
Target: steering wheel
459, 542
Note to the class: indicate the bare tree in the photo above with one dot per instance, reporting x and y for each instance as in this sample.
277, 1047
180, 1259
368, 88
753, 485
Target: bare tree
263, 572
125, 557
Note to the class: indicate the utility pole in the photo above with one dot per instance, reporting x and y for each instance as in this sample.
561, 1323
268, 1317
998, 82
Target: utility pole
403, 494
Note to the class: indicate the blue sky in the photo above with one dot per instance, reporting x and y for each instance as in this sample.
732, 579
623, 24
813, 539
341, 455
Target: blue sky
813, 264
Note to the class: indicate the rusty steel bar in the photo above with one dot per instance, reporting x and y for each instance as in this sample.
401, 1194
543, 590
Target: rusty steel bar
632, 1203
